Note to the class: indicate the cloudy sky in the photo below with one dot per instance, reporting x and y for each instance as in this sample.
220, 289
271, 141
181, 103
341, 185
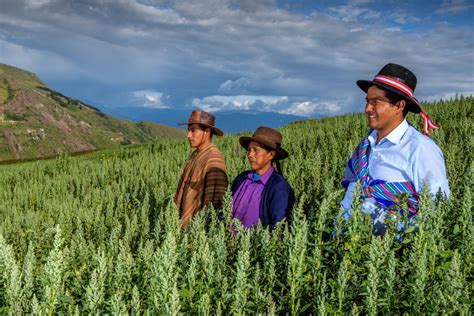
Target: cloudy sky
298, 57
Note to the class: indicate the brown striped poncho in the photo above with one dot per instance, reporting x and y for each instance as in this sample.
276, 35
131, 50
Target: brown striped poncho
203, 181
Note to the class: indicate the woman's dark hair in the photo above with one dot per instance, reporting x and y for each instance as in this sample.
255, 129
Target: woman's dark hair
278, 166
274, 160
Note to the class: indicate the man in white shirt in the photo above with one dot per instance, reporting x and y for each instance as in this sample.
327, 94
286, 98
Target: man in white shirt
393, 158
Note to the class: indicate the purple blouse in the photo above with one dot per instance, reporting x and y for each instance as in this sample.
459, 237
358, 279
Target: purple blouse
246, 201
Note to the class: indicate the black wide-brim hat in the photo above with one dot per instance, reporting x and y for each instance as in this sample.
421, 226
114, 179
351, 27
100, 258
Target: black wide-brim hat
397, 79
268, 137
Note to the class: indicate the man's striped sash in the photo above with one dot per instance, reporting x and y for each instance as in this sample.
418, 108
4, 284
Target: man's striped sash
385, 193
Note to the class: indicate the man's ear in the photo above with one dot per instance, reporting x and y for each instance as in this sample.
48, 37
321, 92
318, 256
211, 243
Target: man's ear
209, 131
401, 105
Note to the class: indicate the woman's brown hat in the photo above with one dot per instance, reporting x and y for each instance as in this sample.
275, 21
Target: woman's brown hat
268, 137
204, 119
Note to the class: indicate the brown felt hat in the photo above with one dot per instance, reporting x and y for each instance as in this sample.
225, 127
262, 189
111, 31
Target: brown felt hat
268, 137
204, 119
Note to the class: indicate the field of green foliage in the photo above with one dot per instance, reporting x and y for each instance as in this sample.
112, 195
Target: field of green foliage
99, 234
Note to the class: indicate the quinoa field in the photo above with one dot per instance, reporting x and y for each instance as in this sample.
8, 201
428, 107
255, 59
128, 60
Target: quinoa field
99, 234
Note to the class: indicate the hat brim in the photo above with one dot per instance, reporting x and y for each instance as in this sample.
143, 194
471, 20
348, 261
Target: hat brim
281, 153
215, 130
413, 104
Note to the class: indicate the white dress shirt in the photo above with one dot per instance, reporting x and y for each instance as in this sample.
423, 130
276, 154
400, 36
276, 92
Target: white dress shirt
403, 155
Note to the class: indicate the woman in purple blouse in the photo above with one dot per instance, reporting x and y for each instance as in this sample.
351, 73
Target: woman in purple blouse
262, 193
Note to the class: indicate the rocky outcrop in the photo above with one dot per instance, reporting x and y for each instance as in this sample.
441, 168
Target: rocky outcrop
13, 144
36, 134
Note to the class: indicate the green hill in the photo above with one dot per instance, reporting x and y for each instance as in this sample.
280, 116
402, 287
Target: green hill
99, 234
36, 121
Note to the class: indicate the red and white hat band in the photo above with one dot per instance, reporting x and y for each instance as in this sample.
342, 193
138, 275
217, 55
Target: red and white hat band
427, 123
400, 86
395, 84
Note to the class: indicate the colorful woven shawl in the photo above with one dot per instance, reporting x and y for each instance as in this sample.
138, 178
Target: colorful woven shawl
387, 194
191, 188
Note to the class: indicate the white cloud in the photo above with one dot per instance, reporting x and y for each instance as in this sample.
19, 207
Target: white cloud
451, 7
232, 48
240, 85
280, 104
313, 108
403, 17
353, 13
218, 103
392, 29
150, 99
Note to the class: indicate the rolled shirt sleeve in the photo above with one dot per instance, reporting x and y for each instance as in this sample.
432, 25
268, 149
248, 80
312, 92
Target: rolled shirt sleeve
346, 202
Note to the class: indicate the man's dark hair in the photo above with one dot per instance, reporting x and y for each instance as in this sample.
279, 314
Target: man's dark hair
211, 131
394, 98
204, 128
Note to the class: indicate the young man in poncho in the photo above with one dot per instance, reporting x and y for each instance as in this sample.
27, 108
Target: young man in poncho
393, 158
204, 177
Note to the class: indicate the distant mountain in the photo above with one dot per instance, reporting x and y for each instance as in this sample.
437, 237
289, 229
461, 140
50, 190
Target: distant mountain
228, 121
36, 121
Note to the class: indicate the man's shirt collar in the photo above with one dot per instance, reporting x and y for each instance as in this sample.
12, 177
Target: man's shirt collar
394, 136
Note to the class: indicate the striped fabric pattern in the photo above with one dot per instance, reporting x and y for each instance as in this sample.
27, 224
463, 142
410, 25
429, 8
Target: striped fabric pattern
216, 183
387, 194
203, 181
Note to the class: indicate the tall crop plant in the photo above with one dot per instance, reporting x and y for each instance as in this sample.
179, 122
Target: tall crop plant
99, 234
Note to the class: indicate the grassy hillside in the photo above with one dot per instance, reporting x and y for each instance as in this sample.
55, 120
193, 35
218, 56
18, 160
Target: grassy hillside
36, 121
99, 234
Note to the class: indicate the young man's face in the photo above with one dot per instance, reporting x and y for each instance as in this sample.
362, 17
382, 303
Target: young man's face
381, 114
197, 135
